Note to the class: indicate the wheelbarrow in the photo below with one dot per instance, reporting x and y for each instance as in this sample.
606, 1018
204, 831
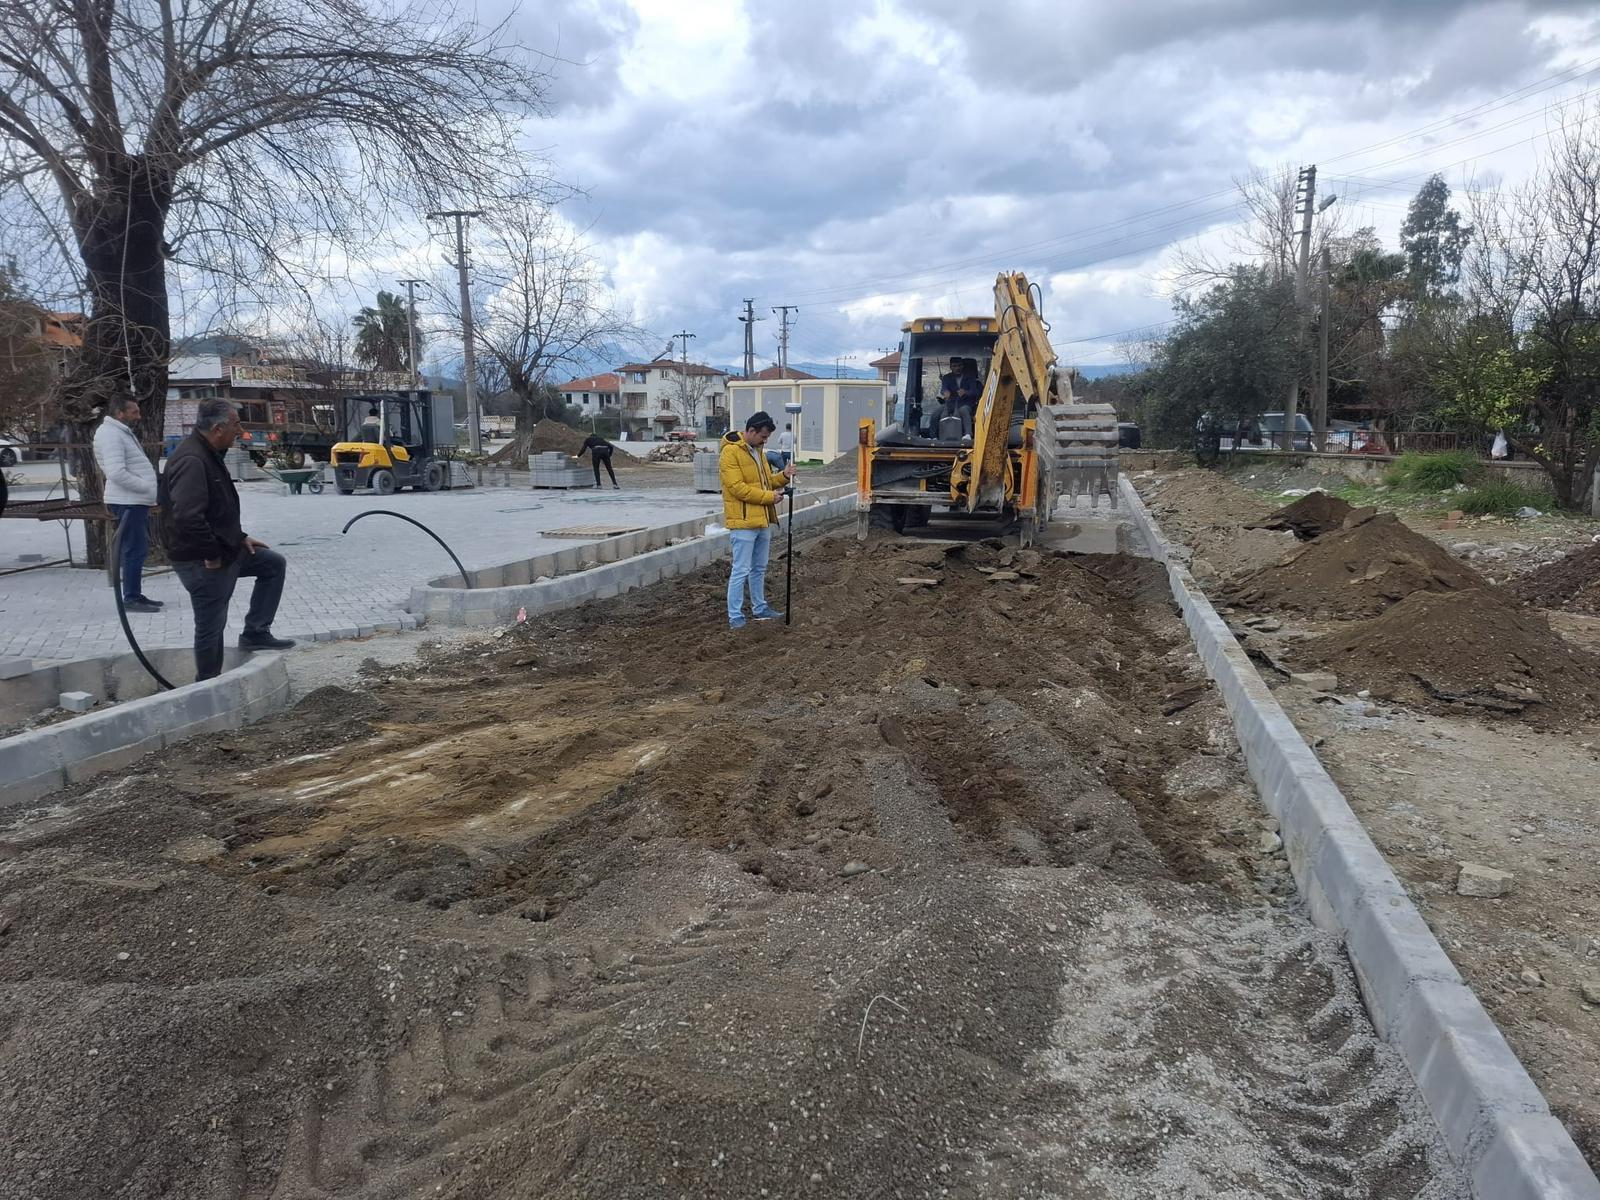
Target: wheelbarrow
309, 478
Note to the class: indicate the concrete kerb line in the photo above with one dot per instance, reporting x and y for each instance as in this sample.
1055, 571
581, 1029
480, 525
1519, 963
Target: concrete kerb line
490, 606
1493, 1118
36, 763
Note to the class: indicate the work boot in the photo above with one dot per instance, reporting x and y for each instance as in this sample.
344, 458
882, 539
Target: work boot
140, 605
263, 641
770, 614
143, 599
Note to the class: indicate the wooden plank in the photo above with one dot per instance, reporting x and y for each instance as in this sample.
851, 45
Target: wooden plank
592, 531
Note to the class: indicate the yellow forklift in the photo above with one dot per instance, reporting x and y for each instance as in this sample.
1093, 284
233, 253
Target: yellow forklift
392, 443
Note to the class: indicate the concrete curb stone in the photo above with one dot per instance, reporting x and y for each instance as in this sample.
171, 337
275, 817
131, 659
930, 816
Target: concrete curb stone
1493, 1118
35, 763
442, 600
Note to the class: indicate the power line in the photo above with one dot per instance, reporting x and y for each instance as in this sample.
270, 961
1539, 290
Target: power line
844, 293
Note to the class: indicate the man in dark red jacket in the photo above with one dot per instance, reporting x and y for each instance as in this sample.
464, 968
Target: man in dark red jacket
208, 549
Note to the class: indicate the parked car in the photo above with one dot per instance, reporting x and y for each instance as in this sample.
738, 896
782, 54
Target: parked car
1265, 432
682, 435
11, 450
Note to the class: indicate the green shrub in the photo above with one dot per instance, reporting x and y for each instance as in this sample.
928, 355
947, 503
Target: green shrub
1501, 498
1434, 472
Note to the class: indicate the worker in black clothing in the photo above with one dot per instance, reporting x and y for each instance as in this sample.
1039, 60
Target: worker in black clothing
599, 451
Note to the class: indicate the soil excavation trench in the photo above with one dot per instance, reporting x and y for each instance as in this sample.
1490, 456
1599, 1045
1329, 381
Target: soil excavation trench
950, 889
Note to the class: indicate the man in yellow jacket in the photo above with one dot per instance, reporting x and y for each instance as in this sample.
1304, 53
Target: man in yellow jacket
751, 489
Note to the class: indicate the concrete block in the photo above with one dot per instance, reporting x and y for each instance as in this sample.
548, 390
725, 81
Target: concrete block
14, 668
1394, 952
1478, 880
76, 701
112, 758
1532, 1158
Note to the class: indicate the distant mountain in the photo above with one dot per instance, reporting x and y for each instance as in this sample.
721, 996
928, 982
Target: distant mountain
1101, 370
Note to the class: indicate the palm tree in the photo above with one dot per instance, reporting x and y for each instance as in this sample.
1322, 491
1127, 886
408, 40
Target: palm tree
381, 335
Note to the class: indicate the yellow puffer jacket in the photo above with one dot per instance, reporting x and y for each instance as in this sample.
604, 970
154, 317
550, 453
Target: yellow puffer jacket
750, 486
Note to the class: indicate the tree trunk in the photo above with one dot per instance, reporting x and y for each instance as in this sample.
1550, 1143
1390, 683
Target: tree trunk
120, 229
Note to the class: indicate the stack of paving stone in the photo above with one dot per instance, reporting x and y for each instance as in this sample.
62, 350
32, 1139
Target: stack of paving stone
553, 469
706, 477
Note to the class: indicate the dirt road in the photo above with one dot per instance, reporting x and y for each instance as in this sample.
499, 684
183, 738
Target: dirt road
951, 889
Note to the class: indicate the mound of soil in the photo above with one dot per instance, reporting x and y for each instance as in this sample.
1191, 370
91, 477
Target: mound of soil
545, 436
1311, 516
1356, 571
1466, 651
1572, 583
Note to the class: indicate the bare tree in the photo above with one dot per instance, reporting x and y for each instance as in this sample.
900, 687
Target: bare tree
542, 306
245, 138
689, 391
1523, 352
1268, 234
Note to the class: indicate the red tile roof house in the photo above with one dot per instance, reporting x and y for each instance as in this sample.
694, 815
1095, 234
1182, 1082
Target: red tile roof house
594, 394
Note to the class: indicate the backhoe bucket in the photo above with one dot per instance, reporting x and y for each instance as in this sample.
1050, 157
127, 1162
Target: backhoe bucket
1077, 445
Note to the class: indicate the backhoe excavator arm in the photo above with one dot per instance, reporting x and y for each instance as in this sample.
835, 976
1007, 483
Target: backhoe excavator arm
1020, 374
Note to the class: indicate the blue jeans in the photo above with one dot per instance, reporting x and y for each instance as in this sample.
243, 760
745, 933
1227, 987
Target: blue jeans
133, 522
750, 550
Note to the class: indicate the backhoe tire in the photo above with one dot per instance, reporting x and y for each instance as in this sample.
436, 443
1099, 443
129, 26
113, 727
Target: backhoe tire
886, 518
383, 482
916, 518
432, 477
344, 491
296, 459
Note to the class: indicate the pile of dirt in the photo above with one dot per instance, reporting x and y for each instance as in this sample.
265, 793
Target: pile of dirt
1571, 583
1356, 571
951, 887
548, 435
674, 452
1313, 515
1469, 650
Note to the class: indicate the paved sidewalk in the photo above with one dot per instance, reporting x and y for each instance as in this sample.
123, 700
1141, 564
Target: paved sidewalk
337, 583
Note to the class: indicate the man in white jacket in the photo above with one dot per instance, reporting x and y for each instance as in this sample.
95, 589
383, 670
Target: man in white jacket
130, 492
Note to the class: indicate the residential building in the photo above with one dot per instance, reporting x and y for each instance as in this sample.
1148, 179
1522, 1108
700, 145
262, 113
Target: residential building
888, 369
593, 394
653, 395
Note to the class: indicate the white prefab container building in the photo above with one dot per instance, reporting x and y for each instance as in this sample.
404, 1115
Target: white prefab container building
831, 410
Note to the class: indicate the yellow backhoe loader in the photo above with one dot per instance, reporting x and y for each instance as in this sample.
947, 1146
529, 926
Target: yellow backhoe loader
997, 437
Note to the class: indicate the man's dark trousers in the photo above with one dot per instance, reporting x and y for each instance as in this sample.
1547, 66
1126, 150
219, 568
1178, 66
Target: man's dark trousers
133, 526
598, 457
210, 591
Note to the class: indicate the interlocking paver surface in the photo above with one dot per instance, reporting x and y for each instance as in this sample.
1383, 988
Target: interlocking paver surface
336, 581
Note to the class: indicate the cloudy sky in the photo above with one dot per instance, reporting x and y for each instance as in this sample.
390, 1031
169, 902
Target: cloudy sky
873, 159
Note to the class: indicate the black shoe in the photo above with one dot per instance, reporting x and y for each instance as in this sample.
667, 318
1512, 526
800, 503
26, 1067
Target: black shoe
140, 606
264, 641
143, 599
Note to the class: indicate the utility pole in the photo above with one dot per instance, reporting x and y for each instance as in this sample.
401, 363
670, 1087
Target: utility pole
1305, 205
783, 311
1319, 416
838, 364
683, 377
749, 322
468, 351
411, 329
